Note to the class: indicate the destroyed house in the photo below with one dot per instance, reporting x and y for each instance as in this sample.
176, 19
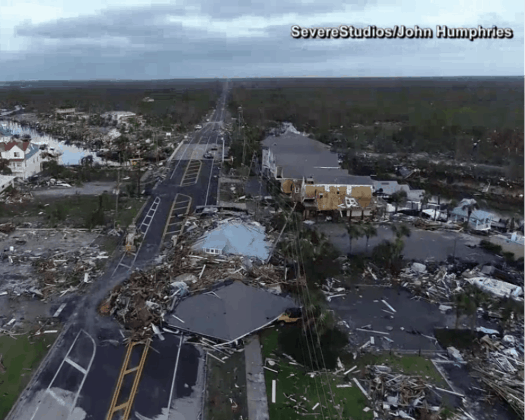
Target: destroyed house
231, 312
335, 191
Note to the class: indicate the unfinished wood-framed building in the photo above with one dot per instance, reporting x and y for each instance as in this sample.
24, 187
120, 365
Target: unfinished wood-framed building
309, 172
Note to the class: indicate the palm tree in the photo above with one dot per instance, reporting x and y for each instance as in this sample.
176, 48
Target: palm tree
469, 205
399, 198
464, 306
400, 231
451, 206
354, 232
369, 231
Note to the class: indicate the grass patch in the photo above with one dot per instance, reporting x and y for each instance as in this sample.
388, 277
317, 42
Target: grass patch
226, 380
20, 358
128, 211
76, 211
307, 391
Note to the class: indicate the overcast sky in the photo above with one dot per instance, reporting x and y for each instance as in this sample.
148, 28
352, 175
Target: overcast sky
135, 39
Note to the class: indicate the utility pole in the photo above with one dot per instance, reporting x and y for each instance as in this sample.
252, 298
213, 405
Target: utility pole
138, 171
118, 192
253, 158
258, 201
157, 142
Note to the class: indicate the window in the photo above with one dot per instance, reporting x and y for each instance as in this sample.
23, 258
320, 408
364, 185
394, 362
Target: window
320, 195
297, 189
17, 154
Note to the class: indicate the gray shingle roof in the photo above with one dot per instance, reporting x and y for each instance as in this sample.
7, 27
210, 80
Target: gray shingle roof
301, 156
239, 310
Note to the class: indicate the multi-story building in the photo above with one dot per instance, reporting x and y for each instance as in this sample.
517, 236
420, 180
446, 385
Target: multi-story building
309, 172
24, 158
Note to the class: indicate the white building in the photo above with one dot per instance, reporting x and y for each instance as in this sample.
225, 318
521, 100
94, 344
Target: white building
25, 159
6, 181
119, 116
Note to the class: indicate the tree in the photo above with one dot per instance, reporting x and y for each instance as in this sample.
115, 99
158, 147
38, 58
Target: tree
4, 167
390, 253
401, 231
465, 305
399, 198
369, 231
469, 205
451, 206
354, 232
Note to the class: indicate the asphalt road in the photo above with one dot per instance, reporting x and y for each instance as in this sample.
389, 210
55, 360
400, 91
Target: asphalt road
78, 377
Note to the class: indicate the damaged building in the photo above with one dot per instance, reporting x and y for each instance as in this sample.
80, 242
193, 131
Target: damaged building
235, 237
309, 172
230, 312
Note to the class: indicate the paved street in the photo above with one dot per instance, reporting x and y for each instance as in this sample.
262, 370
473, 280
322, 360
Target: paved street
78, 378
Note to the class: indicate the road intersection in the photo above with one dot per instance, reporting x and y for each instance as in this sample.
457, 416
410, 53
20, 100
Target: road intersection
79, 377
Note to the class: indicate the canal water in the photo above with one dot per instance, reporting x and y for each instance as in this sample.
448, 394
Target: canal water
71, 155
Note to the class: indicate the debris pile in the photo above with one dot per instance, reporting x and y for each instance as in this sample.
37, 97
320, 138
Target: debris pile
140, 302
442, 284
330, 289
15, 196
68, 271
501, 370
394, 395
7, 228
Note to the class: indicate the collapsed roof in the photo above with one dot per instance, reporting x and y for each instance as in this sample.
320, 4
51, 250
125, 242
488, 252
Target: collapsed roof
230, 312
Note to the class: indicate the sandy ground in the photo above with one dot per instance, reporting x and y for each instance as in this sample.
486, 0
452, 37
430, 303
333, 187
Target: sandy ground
421, 245
17, 278
89, 188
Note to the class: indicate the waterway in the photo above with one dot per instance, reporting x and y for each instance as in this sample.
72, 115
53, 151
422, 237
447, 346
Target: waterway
71, 154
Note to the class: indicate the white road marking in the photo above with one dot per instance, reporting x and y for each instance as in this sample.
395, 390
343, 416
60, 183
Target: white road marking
76, 365
66, 358
174, 374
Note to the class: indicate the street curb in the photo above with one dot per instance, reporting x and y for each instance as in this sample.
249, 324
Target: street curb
140, 212
175, 151
37, 372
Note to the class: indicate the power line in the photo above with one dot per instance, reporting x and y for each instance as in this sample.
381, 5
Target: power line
306, 307
308, 297
314, 320
309, 351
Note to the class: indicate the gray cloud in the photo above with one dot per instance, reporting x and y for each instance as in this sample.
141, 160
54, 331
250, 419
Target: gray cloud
143, 43
271, 8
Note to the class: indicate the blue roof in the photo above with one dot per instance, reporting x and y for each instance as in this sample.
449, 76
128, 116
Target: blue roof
33, 149
476, 214
237, 238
